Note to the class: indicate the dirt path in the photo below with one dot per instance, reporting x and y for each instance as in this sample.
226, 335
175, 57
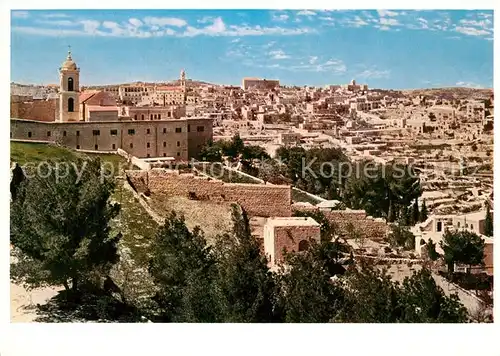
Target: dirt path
23, 302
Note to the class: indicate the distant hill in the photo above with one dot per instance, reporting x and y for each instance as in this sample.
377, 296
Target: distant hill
452, 93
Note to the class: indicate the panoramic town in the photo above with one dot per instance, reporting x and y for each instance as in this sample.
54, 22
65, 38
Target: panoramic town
182, 200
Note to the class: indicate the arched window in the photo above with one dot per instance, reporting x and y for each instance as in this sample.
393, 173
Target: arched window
303, 245
70, 84
71, 105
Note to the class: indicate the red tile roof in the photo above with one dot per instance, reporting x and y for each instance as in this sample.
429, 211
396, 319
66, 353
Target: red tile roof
83, 97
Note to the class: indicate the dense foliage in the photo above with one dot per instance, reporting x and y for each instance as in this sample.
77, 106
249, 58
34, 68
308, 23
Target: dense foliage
60, 224
463, 247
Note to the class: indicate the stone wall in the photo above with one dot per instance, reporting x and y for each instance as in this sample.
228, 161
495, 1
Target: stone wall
257, 199
39, 110
372, 228
134, 160
288, 238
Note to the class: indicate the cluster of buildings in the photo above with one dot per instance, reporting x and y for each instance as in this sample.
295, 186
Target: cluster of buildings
449, 141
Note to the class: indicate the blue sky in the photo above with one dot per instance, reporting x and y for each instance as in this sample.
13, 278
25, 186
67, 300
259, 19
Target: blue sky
386, 49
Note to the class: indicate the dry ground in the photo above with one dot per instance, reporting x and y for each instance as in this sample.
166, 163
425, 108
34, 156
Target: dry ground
213, 218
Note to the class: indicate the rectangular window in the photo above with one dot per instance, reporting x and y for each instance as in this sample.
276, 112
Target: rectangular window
159, 116
131, 132
48, 133
29, 134
148, 131
96, 147
77, 147
164, 155
164, 144
96, 132
164, 130
148, 145
178, 143
78, 133
178, 154
113, 132
131, 145
178, 129
200, 128
148, 155
64, 133
114, 146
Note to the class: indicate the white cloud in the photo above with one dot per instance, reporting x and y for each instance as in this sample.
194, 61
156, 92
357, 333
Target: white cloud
155, 26
334, 66
165, 21
20, 14
383, 28
279, 17
313, 59
90, 26
51, 32
383, 13
471, 31
135, 22
64, 23
216, 28
55, 15
469, 85
236, 40
388, 22
278, 54
206, 19
373, 73
306, 13
355, 22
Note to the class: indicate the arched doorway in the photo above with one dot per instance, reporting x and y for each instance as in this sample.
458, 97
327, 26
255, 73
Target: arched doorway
303, 245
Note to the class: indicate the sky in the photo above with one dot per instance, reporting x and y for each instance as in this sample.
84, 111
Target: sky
390, 49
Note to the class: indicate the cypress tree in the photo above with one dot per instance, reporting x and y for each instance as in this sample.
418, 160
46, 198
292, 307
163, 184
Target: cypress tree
488, 223
423, 212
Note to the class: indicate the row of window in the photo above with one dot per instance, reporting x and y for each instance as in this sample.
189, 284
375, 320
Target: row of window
130, 131
153, 116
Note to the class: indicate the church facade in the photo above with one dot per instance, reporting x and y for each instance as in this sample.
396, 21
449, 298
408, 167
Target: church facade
106, 127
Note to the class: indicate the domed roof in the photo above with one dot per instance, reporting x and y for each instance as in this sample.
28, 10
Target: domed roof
69, 63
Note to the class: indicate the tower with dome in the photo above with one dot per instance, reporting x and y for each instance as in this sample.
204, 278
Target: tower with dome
69, 90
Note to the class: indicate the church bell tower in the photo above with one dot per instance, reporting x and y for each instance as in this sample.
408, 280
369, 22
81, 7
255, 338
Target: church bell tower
69, 90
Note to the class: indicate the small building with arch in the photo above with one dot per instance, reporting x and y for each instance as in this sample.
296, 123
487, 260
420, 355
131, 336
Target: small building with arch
290, 234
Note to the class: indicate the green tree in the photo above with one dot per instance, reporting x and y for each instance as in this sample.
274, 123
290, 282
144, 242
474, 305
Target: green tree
305, 291
402, 237
488, 222
328, 229
423, 212
254, 152
235, 147
422, 301
431, 250
17, 178
183, 268
211, 152
462, 247
244, 282
415, 213
370, 297
60, 224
